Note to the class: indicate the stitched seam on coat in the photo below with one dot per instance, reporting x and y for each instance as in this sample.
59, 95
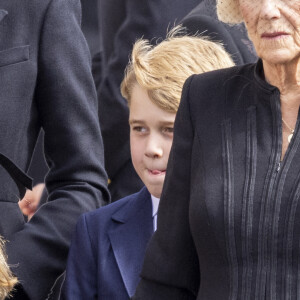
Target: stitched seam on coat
229, 209
247, 207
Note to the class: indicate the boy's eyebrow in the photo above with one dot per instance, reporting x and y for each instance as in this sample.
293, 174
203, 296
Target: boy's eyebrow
166, 122
134, 121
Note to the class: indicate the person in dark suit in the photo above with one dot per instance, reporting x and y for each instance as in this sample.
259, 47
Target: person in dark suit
228, 221
46, 82
90, 27
121, 24
112, 240
203, 19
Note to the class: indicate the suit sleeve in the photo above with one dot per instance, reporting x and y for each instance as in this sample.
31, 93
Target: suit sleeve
142, 19
81, 273
66, 100
171, 268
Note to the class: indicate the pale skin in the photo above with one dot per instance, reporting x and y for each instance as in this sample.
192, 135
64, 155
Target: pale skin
30, 202
151, 137
274, 28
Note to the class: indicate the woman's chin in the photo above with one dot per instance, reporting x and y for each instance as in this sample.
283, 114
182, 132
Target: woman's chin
279, 56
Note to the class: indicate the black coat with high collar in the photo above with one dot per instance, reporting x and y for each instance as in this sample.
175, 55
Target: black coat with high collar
228, 222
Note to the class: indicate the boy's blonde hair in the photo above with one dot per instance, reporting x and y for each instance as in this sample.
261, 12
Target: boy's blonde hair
7, 280
162, 69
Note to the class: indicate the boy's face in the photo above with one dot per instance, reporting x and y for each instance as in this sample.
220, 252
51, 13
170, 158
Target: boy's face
151, 136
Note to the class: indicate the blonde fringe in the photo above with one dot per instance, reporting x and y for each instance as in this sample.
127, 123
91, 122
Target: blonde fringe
163, 69
7, 280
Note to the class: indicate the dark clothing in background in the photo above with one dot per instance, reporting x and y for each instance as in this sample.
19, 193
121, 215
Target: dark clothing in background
203, 20
122, 23
90, 24
38, 167
90, 28
46, 82
237, 203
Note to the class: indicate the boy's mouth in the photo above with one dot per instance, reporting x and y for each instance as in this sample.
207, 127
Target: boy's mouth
157, 172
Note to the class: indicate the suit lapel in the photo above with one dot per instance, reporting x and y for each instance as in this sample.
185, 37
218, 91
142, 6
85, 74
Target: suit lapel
134, 227
3, 14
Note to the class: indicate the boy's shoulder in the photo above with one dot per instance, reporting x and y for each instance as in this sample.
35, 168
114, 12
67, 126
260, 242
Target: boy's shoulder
118, 210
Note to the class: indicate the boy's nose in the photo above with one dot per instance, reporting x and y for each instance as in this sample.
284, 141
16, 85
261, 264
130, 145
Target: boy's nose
153, 148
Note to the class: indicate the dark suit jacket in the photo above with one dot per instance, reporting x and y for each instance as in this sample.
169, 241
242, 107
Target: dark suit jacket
203, 20
46, 82
122, 23
90, 24
38, 167
108, 248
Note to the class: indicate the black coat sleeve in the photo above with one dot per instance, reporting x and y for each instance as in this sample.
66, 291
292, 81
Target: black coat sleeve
171, 268
67, 110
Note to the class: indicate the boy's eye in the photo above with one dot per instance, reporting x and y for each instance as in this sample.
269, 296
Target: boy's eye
168, 130
139, 129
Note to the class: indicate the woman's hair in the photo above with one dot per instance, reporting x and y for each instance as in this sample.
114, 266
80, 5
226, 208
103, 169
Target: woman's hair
162, 69
229, 12
7, 280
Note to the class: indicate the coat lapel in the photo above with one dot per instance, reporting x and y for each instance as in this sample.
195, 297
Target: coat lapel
3, 14
134, 228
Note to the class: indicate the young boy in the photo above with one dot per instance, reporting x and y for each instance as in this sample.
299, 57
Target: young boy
107, 250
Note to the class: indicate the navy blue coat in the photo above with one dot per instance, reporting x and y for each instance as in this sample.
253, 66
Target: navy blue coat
46, 82
107, 250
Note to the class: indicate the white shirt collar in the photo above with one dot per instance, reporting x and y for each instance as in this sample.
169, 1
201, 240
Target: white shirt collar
155, 203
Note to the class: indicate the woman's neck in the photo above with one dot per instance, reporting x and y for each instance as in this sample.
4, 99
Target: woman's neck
286, 77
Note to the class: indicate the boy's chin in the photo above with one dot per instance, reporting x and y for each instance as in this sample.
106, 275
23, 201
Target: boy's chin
154, 190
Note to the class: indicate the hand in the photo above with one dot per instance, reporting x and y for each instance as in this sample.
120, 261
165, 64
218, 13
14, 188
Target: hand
29, 204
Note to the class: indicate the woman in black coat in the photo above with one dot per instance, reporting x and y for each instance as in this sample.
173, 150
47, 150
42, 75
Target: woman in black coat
228, 223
